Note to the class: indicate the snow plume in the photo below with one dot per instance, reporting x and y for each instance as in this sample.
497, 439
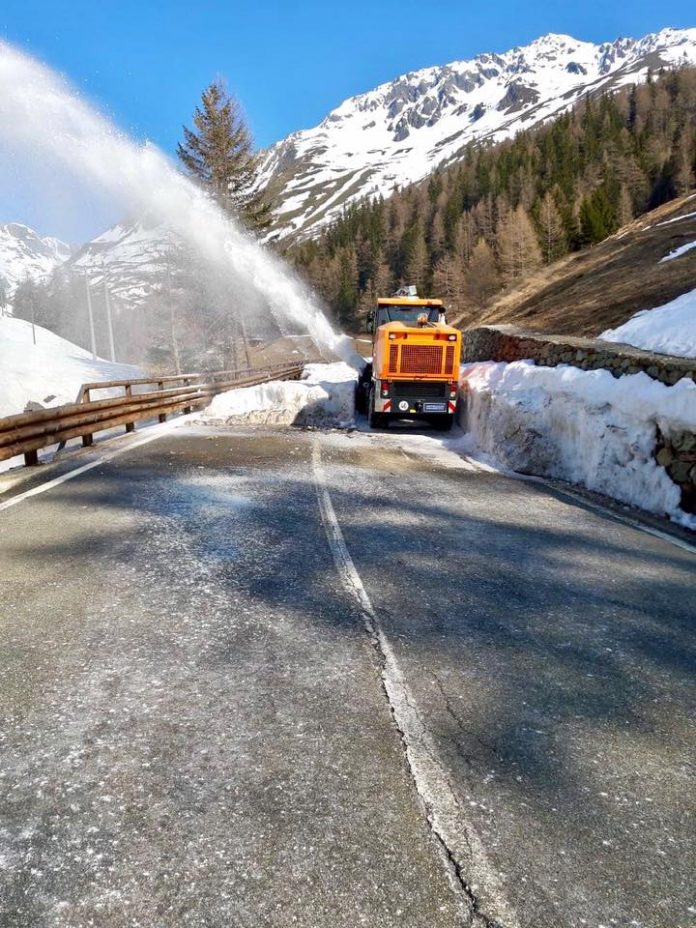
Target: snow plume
584, 427
43, 120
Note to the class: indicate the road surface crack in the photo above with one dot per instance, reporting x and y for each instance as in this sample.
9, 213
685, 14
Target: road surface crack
434, 789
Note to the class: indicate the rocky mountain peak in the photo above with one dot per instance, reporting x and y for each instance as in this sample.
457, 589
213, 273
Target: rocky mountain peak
402, 130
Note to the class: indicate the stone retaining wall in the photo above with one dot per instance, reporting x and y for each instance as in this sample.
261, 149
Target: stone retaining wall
507, 343
675, 452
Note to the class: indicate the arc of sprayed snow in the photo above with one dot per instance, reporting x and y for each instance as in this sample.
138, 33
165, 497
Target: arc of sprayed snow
465, 857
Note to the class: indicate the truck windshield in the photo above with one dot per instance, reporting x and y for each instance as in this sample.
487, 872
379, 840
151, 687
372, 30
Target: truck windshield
409, 315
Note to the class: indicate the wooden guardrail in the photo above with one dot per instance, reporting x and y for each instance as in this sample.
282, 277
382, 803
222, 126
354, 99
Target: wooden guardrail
28, 432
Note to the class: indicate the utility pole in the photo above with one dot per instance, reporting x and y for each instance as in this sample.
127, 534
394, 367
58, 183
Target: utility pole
33, 319
109, 323
245, 341
92, 336
176, 357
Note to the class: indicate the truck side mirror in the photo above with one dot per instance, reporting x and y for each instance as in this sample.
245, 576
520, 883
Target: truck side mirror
371, 324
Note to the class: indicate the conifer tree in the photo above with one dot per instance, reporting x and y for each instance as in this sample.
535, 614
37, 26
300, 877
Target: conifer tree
218, 153
553, 235
518, 248
482, 278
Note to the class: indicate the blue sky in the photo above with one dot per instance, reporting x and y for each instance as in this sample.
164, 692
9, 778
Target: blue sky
145, 62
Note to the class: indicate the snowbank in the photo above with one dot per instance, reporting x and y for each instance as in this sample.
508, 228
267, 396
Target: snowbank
49, 373
325, 396
668, 329
585, 427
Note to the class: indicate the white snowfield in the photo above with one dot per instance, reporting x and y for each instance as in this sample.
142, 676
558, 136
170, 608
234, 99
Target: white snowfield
585, 427
668, 329
324, 397
49, 373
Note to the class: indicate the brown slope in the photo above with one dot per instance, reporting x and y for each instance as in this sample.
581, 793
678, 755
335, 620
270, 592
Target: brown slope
603, 286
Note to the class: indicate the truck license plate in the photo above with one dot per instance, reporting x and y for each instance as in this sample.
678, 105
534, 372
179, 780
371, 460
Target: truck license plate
434, 407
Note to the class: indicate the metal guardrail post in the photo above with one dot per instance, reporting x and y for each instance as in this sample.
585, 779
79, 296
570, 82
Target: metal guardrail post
85, 398
162, 416
130, 426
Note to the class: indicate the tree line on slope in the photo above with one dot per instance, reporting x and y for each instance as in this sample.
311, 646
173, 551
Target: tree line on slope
504, 210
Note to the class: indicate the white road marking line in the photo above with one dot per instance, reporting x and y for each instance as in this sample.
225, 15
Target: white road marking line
606, 511
157, 432
465, 857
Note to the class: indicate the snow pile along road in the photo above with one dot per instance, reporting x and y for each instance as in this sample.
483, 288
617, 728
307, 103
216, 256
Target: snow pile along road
668, 329
50, 372
584, 427
324, 397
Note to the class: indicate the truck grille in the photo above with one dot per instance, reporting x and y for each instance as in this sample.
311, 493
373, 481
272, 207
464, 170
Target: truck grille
421, 359
449, 359
419, 389
394, 358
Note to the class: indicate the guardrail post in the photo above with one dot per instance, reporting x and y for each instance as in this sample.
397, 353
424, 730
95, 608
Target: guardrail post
187, 409
162, 416
31, 458
85, 397
130, 426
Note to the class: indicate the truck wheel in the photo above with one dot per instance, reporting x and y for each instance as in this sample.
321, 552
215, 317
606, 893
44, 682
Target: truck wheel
443, 423
360, 404
376, 420
362, 389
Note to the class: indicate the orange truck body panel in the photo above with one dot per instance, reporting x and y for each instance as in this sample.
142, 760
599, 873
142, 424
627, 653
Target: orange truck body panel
415, 364
404, 352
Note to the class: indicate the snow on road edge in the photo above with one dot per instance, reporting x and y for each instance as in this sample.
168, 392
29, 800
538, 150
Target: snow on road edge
324, 397
584, 427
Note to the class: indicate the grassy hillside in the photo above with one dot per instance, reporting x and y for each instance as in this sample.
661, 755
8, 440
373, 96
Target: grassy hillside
604, 285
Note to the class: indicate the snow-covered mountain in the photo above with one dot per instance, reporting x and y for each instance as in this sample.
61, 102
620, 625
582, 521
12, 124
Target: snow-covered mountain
132, 255
24, 253
401, 131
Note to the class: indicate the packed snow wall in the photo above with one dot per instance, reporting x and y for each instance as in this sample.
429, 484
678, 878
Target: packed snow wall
630, 437
323, 398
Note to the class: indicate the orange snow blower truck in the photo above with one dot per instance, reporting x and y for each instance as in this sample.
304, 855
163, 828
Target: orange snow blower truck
414, 372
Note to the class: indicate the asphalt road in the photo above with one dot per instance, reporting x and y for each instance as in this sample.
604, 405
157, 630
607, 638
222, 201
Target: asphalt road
288, 679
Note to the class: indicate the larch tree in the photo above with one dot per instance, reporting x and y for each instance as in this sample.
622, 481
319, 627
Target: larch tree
517, 245
482, 278
553, 235
218, 153
448, 283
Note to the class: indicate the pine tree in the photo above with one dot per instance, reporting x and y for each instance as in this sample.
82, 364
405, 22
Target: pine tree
597, 216
218, 153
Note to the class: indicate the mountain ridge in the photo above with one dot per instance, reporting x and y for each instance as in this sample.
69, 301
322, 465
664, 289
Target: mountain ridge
24, 253
402, 130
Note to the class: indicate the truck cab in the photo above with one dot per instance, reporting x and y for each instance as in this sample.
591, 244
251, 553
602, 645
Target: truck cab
415, 363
